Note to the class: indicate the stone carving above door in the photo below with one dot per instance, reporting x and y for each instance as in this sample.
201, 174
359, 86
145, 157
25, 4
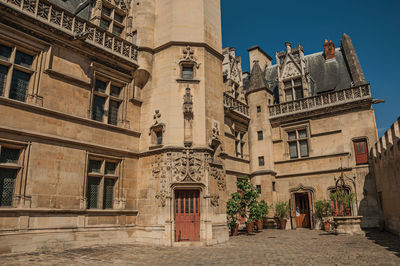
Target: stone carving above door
187, 166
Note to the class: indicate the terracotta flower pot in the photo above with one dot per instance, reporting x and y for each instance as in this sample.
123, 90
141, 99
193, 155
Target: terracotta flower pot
250, 228
235, 230
327, 226
283, 224
259, 224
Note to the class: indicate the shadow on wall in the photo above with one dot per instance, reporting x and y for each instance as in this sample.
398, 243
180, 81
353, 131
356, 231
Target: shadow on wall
390, 241
368, 208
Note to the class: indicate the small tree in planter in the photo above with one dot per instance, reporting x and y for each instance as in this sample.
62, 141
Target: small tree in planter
232, 210
249, 197
256, 214
264, 211
281, 211
323, 210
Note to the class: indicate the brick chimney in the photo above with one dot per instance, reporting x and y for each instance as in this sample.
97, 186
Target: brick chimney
329, 50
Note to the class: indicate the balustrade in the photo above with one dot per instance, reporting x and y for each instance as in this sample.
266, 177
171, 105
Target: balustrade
322, 100
57, 17
233, 104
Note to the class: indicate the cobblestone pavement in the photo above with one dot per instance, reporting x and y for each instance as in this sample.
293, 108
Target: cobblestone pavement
272, 247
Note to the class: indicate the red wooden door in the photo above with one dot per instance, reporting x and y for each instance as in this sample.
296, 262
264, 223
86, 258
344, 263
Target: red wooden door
361, 151
187, 215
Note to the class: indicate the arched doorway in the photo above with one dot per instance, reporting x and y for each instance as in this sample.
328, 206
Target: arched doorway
187, 214
301, 205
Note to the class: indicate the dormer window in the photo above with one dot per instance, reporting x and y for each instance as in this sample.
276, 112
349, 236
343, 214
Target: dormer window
112, 19
187, 72
293, 90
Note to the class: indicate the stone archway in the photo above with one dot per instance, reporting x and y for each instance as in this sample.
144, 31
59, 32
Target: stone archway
302, 206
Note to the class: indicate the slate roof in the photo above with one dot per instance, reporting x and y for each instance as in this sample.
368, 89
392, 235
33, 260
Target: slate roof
78, 7
325, 75
257, 79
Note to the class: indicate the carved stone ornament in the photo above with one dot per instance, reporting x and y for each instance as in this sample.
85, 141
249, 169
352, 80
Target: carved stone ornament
214, 139
219, 175
214, 200
188, 166
157, 122
291, 70
188, 57
159, 171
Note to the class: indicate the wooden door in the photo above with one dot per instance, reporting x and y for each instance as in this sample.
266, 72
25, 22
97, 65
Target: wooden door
187, 215
361, 151
302, 210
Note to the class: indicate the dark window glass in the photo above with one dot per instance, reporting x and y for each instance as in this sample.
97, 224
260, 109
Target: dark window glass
110, 168
292, 135
113, 112
182, 203
118, 18
100, 86
104, 24
261, 161
191, 203
92, 192
273, 186
3, 77
7, 183
117, 30
197, 202
260, 135
299, 93
5, 52
187, 72
303, 148
115, 91
258, 109
94, 166
108, 193
293, 150
302, 134
23, 59
289, 95
159, 137
106, 11
19, 85
186, 202
134, 37
98, 108
258, 189
9, 155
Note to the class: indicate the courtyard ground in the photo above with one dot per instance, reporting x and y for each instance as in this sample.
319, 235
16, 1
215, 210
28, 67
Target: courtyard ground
272, 247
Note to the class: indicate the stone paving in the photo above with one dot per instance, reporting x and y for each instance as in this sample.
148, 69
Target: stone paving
272, 247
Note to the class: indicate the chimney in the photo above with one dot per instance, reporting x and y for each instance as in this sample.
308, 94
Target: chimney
329, 50
288, 46
258, 54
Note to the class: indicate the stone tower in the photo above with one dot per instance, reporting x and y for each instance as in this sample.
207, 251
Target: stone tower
180, 86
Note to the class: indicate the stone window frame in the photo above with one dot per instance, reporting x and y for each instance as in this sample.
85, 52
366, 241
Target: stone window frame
287, 141
21, 166
122, 99
293, 86
239, 137
101, 176
12, 66
187, 64
261, 161
111, 18
260, 135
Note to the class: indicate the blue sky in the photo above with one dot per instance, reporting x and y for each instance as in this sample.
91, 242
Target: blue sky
374, 27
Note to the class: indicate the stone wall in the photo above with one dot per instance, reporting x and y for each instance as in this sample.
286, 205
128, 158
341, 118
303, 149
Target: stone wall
385, 158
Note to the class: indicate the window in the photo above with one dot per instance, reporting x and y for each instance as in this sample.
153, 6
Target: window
293, 90
298, 142
258, 189
361, 151
9, 167
273, 186
134, 37
112, 20
15, 72
239, 144
187, 72
261, 161
102, 176
260, 135
258, 109
106, 101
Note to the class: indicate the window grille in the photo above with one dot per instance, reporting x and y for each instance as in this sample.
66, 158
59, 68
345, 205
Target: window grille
3, 78
7, 183
108, 194
5, 52
8, 155
111, 168
92, 192
113, 112
94, 166
98, 108
106, 102
23, 59
19, 85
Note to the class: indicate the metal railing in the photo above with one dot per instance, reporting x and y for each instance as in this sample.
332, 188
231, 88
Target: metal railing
233, 104
323, 100
44, 11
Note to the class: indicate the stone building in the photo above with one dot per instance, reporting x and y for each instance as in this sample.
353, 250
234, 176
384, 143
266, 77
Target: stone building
385, 157
125, 121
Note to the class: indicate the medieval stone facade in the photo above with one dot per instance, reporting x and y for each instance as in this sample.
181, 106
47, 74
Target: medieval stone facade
118, 117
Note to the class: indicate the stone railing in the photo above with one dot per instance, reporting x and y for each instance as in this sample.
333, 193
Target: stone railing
320, 101
61, 19
235, 105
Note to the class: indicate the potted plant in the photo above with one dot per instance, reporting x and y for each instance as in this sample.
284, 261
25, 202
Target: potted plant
322, 210
281, 211
348, 202
232, 210
248, 197
264, 208
256, 214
